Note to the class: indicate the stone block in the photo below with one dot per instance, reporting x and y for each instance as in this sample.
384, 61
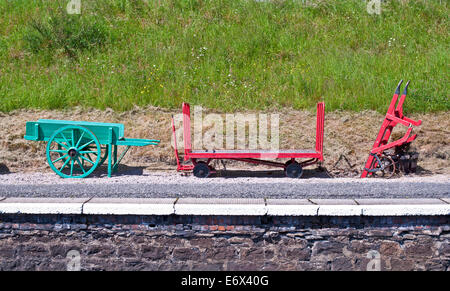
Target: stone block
185, 254
154, 253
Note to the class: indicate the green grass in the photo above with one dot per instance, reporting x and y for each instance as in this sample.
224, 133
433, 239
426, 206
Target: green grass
223, 54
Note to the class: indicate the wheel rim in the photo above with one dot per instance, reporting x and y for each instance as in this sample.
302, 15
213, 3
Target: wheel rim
389, 167
73, 152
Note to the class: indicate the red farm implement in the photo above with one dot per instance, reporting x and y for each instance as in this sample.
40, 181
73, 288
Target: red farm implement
380, 159
202, 168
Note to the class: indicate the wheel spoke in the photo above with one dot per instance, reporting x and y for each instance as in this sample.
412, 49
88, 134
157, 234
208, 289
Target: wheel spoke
81, 137
73, 137
87, 152
65, 163
64, 137
59, 151
71, 167
81, 166
86, 159
86, 144
61, 144
60, 158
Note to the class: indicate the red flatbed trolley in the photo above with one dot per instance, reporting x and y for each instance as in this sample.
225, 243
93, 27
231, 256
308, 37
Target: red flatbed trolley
292, 168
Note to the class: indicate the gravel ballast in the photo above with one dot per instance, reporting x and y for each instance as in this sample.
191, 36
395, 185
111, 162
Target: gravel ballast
173, 185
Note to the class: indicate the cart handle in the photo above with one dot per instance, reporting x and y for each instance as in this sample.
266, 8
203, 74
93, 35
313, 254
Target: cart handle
397, 90
187, 129
320, 128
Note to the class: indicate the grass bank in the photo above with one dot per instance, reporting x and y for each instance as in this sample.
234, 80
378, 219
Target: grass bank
223, 54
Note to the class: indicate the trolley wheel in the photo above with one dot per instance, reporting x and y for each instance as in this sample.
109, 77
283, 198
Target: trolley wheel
201, 170
388, 166
73, 152
294, 170
289, 162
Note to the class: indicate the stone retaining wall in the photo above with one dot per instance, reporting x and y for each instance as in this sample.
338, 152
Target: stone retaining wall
47, 242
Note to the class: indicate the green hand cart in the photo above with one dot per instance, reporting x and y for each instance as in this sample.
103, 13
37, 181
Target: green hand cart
76, 148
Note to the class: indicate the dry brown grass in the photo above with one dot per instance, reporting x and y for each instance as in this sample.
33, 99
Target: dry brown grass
348, 133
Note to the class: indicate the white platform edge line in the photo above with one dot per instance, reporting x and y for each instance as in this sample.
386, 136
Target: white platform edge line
128, 209
41, 208
406, 210
221, 209
224, 209
292, 210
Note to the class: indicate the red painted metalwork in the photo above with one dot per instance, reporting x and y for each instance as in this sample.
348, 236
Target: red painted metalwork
186, 130
320, 122
393, 117
180, 167
252, 156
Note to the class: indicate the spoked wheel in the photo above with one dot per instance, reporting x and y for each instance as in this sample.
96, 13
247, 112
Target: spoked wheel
294, 170
387, 166
104, 154
73, 152
201, 170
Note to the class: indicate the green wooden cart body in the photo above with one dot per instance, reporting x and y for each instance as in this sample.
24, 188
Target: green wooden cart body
83, 139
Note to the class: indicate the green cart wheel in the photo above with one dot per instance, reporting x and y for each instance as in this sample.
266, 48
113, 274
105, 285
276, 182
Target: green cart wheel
73, 152
104, 152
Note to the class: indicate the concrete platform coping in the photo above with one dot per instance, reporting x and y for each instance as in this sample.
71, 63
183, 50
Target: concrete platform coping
42, 205
130, 206
220, 206
225, 206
